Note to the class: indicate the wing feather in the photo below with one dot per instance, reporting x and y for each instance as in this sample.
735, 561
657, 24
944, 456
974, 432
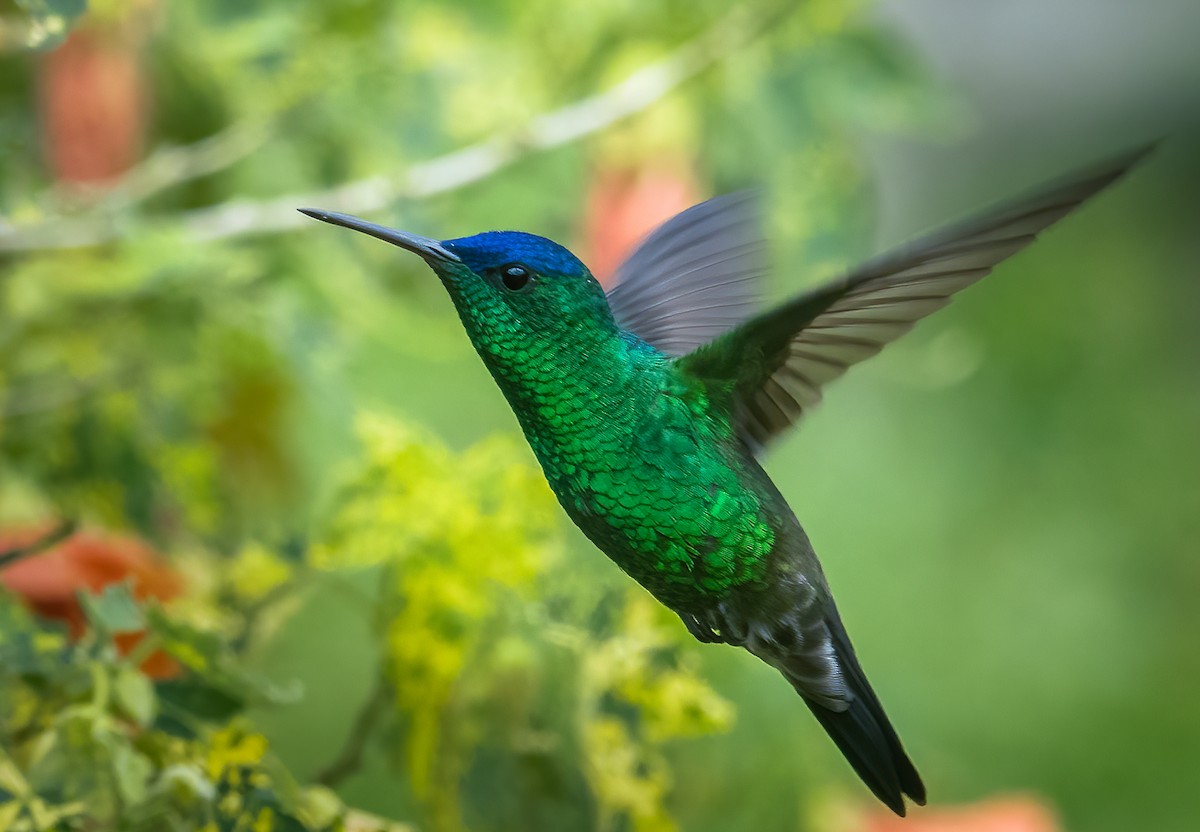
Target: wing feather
781, 360
695, 277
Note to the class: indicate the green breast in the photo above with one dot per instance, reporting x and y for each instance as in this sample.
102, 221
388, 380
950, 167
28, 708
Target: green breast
648, 469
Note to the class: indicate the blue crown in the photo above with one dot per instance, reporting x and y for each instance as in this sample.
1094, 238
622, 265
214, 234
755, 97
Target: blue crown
497, 248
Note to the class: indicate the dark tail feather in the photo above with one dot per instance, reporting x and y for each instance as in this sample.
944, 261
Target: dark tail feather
864, 735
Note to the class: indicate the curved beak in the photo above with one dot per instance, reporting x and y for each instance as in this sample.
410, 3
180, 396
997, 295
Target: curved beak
430, 250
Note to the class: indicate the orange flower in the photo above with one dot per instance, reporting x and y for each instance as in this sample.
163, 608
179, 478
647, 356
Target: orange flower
624, 205
1000, 814
92, 102
49, 580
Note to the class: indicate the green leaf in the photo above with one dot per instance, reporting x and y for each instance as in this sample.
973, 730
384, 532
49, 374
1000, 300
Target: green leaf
113, 611
208, 658
134, 695
198, 699
23, 654
194, 648
131, 772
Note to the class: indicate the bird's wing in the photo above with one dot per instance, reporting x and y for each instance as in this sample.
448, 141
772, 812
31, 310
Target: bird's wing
694, 277
778, 362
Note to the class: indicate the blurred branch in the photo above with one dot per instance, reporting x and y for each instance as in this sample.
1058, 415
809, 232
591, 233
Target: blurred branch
439, 175
163, 169
254, 615
350, 758
305, 576
59, 533
171, 166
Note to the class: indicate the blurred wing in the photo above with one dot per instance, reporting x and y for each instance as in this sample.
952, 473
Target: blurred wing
694, 277
780, 361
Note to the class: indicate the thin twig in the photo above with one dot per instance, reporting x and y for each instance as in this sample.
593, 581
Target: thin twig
440, 175
253, 615
59, 533
166, 168
171, 166
350, 758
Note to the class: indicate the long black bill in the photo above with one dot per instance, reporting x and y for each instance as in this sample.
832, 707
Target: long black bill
427, 248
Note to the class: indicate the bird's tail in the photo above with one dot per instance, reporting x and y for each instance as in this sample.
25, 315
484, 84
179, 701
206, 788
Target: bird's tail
864, 735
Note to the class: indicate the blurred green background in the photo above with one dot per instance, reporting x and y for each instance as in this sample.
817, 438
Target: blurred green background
1007, 502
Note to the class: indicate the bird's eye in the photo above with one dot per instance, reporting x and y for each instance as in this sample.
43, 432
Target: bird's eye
515, 277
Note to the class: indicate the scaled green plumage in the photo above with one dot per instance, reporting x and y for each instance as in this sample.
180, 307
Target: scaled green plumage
634, 450
647, 408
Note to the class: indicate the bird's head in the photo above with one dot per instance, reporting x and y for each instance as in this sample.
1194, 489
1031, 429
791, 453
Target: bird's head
514, 291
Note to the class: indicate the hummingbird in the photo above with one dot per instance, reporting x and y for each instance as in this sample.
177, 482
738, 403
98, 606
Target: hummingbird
649, 407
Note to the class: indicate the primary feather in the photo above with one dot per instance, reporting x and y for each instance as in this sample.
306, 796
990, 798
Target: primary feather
782, 359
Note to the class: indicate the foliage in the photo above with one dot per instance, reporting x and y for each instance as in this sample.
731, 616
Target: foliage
88, 739
474, 642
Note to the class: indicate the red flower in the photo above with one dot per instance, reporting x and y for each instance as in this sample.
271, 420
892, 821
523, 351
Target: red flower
49, 581
92, 103
624, 205
1001, 814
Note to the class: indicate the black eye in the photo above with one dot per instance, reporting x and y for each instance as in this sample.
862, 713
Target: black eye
515, 277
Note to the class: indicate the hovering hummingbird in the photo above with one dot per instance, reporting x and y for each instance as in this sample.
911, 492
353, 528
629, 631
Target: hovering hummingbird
649, 406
